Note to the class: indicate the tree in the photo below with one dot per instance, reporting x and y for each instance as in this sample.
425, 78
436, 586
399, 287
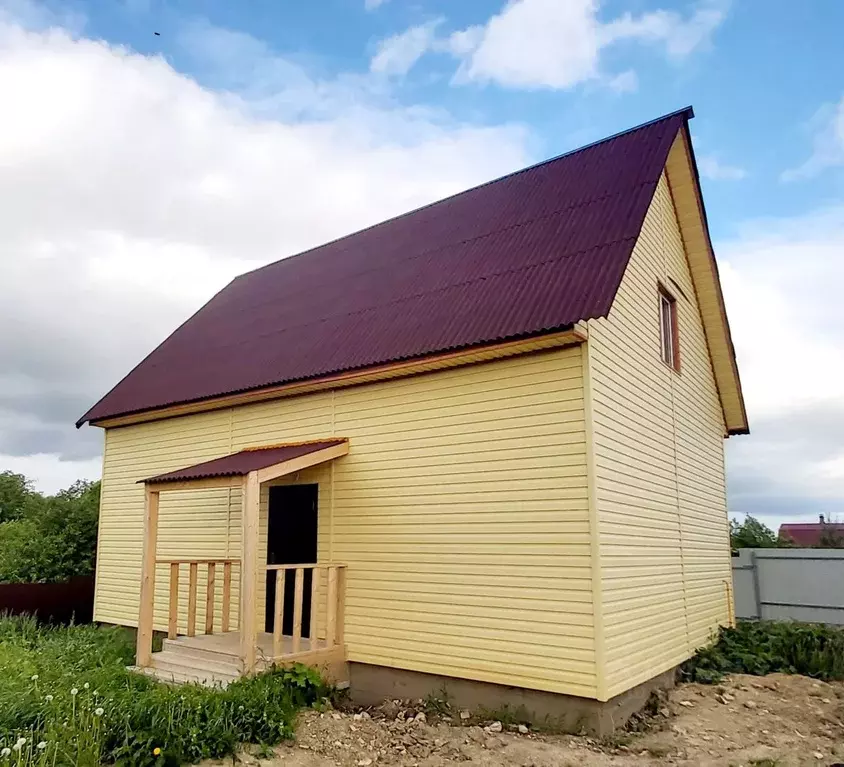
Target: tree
752, 534
53, 538
15, 492
831, 537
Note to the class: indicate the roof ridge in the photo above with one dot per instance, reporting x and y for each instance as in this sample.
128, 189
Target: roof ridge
687, 111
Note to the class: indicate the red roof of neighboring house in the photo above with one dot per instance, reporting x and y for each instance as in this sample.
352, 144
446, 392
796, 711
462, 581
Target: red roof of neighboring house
240, 464
531, 253
809, 533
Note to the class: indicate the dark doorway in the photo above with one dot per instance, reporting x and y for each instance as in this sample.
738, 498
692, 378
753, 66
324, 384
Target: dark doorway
291, 540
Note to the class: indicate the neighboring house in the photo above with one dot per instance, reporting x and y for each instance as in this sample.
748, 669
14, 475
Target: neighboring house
813, 534
486, 435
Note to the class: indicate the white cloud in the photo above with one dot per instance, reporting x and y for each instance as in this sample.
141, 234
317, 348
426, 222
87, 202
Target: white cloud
680, 36
371, 5
827, 127
50, 475
781, 282
397, 54
712, 168
552, 44
626, 82
130, 194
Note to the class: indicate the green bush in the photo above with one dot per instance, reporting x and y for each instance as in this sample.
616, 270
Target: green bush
46, 539
764, 647
68, 689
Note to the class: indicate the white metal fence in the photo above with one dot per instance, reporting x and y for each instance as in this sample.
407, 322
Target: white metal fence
790, 584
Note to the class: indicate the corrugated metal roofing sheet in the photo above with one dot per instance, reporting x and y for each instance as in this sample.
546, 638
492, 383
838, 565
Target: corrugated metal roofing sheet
810, 533
530, 253
241, 463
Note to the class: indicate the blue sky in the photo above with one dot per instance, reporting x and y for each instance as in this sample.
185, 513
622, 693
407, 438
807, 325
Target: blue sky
756, 82
248, 131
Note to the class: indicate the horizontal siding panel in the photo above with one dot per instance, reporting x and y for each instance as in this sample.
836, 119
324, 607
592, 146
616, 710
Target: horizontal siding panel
659, 468
461, 513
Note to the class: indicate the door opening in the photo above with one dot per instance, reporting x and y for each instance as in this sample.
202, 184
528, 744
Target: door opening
291, 540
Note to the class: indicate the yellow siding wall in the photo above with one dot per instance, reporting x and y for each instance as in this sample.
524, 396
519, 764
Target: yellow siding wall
461, 512
659, 470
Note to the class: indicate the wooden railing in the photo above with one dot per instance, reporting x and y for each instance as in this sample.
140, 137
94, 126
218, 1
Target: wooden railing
326, 613
210, 594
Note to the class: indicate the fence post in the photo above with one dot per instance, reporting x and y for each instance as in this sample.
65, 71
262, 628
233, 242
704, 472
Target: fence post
754, 565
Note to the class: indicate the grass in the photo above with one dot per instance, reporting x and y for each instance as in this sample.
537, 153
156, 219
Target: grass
67, 699
764, 647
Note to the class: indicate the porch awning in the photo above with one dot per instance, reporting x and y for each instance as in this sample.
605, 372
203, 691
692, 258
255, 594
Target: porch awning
270, 462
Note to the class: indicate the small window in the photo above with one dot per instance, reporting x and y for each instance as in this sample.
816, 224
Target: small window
668, 336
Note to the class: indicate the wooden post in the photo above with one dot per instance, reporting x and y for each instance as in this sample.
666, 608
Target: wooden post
249, 571
314, 605
298, 598
210, 593
331, 606
173, 623
143, 650
227, 596
340, 635
278, 614
192, 579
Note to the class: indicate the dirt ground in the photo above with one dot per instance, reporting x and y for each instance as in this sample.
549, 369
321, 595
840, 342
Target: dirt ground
762, 721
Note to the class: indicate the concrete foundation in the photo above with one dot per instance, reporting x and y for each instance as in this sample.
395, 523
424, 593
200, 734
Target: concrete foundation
371, 685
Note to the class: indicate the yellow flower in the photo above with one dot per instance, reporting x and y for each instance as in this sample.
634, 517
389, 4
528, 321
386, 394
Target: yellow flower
156, 751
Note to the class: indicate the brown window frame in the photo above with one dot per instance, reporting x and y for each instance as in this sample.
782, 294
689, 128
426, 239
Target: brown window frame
669, 330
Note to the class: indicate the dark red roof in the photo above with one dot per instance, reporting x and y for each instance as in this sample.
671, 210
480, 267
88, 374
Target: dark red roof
809, 533
240, 464
531, 253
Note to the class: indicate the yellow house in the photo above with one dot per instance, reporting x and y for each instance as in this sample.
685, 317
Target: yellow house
478, 446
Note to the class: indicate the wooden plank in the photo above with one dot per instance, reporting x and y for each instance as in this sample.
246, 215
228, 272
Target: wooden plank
143, 650
340, 637
210, 593
196, 484
303, 462
331, 606
227, 596
173, 622
188, 561
298, 598
291, 567
278, 614
192, 582
314, 605
249, 572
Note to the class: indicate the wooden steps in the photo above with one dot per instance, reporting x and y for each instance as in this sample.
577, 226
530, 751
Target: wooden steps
181, 662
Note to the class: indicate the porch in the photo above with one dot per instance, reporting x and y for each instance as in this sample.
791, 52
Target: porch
305, 614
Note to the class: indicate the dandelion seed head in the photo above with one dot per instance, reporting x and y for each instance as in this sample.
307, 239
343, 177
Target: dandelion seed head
99, 711
5, 752
42, 745
86, 685
48, 698
74, 691
34, 677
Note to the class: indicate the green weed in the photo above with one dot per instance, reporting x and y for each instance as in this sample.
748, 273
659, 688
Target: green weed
764, 647
66, 698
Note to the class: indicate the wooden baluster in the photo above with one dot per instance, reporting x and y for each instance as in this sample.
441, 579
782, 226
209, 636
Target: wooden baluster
278, 615
314, 603
173, 623
331, 605
340, 636
227, 596
192, 599
210, 593
297, 609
